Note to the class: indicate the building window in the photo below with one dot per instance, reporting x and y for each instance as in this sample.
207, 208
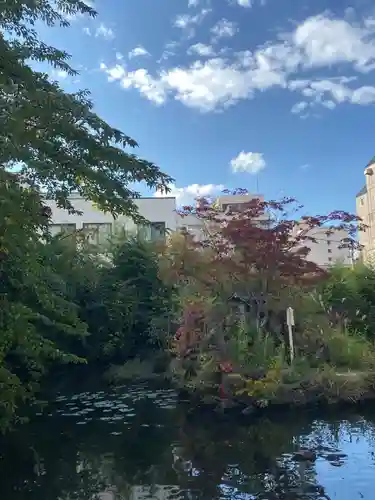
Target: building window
362, 201
155, 231
64, 229
233, 207
328, 242
329, 259
329, 250
97, 233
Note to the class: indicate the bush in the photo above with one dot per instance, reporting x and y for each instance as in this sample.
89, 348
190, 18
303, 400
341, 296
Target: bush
349, 350
350, 294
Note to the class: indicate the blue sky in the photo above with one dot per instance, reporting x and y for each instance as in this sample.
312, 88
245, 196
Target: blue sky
225, 92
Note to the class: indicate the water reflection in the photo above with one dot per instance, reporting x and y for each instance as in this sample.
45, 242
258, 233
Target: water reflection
137, 443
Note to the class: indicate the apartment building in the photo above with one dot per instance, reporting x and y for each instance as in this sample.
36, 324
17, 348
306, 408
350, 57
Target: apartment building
328, 248
236, 201
365, 207
161, 212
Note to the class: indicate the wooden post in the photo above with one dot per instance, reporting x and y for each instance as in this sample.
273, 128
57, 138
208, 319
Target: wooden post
290, 324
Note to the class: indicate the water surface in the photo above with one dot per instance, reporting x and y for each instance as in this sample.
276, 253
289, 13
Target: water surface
137, 443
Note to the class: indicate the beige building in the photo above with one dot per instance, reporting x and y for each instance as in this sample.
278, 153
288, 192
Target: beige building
365, 206
327, 247
236, 201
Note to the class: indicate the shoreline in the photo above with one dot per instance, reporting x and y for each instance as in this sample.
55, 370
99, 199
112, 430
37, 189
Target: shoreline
322, 387
352, 391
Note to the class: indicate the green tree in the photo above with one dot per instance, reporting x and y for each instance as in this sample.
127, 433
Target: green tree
55, 137
350, 296
129, 296
51, 142
34, 311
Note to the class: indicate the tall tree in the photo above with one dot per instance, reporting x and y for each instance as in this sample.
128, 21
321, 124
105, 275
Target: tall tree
51, 142
56, 137
262, 251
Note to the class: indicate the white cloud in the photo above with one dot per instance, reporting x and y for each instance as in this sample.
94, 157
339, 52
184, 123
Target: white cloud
245, 3
103, 31
119, 56
299, 107
252, 163
202, 50
58, 74
324, 41
319, 42
187, 195
204, 85
139, 79
87, 31
224, 28
193, 3
137, 52
188, 23
330, 92
169, 51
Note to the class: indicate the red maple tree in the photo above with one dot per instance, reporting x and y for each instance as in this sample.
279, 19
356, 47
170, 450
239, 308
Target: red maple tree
262, 239
258, 251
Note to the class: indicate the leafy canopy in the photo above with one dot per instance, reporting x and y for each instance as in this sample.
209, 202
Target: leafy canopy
54, 137
52, 143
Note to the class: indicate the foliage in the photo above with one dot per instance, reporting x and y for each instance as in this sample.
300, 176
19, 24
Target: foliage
35, 310
260, 242
350, 351
130, 296
266, 387
52, 144
57, 141
349, 297
62, 302
235, 285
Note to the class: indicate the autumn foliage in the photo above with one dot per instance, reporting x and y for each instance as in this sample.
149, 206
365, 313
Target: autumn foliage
258, 251
262, 240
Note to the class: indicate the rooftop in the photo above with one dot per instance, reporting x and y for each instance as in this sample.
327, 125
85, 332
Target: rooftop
361, 192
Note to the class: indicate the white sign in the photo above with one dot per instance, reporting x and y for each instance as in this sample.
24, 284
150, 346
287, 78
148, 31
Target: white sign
290, 323
290, 316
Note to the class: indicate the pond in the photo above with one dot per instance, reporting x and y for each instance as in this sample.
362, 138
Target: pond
138, 443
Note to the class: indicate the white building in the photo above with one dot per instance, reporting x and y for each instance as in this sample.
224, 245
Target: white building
328, 249
161, 212
200, 228
192, 224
